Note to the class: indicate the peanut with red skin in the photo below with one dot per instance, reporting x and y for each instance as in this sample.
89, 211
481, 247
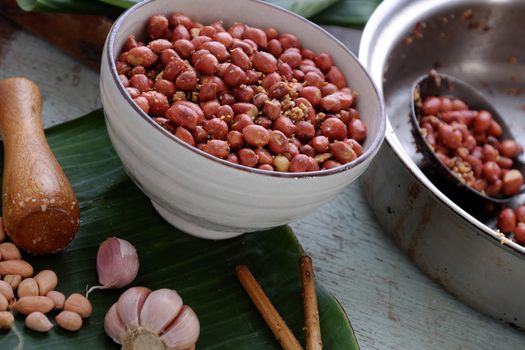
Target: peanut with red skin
157, 26
343, 152
240, 59
256, 135
335, 77
299, 163
257, 35
324, 61
254, 92
141, 56
247, 157
184, 48
264, 62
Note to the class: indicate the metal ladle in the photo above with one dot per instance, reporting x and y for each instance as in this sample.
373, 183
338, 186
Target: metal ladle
438, 84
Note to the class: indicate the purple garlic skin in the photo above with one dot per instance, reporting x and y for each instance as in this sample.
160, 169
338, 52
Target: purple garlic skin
156, 320
117, 263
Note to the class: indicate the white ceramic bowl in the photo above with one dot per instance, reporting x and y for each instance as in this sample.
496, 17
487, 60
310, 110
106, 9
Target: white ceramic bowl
206, 196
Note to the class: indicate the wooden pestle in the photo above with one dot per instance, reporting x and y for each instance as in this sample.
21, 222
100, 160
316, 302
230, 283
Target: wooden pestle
40, 210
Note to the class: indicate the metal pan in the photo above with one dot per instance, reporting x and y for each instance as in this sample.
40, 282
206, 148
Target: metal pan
480, 42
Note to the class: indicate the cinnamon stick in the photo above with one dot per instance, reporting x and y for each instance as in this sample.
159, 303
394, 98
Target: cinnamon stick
311, 311
270, 315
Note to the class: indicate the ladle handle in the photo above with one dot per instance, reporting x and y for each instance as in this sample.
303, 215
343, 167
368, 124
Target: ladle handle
40, 210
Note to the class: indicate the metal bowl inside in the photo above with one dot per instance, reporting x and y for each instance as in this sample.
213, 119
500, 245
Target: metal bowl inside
453, 241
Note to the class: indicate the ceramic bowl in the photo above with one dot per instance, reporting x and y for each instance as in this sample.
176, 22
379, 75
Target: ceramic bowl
206, 196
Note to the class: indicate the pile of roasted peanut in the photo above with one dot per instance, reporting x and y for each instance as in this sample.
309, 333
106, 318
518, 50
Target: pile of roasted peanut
35, 295
469, 143
251, 96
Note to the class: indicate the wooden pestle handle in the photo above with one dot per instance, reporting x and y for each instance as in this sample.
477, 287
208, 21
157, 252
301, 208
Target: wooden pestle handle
40, 210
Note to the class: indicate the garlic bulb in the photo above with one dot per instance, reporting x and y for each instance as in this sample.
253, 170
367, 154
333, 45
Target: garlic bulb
158, 320
117, 264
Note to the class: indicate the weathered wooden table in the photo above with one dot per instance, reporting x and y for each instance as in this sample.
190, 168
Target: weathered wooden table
390, 303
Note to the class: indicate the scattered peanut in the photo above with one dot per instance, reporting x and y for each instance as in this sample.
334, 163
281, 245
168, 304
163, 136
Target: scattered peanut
6, 290
28, 287
469, 143
16, 267
47, 280
69, 320
37, 321
26, 305
9, 251
78, 303
2, 230
58, 298
13, 280
6, 320
3, 303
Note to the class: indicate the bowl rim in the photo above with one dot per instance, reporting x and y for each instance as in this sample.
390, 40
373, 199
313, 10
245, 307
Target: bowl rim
374, 30
369, 153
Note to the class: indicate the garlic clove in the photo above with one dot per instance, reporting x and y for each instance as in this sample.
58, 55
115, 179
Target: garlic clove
183, 332
113, 325
129, 306
117, 263
160, 309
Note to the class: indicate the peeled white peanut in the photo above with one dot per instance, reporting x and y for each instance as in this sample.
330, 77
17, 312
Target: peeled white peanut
37, 321
78, 303
47, 280
28, 287
69, 320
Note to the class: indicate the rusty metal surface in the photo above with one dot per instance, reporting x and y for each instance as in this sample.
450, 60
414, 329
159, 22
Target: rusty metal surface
450, 240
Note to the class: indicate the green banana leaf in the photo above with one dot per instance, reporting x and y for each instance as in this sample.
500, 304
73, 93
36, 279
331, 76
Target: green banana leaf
202, 271
305, 8
125, 4
91, 7
348, 13
338, 12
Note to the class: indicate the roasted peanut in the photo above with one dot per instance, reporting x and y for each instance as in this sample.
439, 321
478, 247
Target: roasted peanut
141, 56
335, 77
254, 92
218, 148
157, 26
247, 157
343, 152
264, 62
